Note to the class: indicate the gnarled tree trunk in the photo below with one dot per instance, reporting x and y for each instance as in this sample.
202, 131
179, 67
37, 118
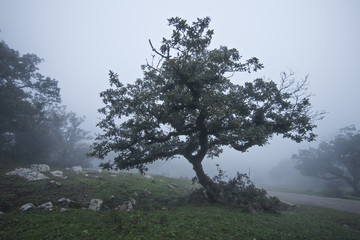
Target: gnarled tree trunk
211, 188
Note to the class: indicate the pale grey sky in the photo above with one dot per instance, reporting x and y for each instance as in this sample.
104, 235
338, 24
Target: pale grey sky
82, 40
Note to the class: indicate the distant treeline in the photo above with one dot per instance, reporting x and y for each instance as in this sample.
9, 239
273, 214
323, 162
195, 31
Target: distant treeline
34, 126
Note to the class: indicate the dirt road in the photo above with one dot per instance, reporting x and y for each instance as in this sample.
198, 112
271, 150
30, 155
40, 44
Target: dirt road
335, 203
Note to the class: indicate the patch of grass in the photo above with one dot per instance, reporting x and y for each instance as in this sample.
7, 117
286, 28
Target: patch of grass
82, 187
186, 222
162, 215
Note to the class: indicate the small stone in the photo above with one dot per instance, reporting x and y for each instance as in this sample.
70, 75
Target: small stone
148, 177
27, 206
63, 209
147, 192
64, 201
58, 174
47, 206
125, 207
77, 169
55, 183
95, 204
173, 185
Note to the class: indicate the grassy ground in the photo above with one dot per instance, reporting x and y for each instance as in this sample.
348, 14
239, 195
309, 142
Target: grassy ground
162, 214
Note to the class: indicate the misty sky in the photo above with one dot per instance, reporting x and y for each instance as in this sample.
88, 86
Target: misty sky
81, 41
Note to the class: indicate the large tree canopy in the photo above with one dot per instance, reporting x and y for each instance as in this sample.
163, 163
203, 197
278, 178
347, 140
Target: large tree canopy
186, 105
338, 159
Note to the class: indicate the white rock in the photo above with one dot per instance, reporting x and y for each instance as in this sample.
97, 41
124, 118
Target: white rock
63, 209
1, 213
58, 174
95, 204
147, 192
64, 201
40, 167
173, 185
47, 206
77, 169
126, 206
27, 206
28, 173
148, 177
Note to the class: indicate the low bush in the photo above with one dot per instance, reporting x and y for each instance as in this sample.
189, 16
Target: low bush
239, 191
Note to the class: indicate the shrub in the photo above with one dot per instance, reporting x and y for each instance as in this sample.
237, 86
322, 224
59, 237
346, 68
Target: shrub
239, 191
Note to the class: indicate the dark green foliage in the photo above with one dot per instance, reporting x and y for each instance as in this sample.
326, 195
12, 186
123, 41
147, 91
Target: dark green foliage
186, 105
238, 192
336, 161
33, 125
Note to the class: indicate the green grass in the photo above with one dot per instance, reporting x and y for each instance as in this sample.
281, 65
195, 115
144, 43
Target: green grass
163, 215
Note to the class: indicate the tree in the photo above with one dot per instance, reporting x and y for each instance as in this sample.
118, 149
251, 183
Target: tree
71, 144
338, 159
186, 105
33, 125
25, 95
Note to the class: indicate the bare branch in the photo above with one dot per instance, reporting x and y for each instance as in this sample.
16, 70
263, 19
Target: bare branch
158, 53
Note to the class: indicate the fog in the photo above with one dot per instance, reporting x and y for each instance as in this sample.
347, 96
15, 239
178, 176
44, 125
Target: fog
81, 41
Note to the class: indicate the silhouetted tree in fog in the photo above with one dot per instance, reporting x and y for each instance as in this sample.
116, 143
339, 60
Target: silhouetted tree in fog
186, 105
338, 159
32, 122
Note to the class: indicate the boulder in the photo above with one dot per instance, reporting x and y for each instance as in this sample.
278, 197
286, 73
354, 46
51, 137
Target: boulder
28, 174
77, 169
64, 201
127, 206
95, 204
40, 167
58, 174
47, 206
26, 207
148, 177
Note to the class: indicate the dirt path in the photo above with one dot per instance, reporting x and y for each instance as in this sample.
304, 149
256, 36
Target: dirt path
335, 203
